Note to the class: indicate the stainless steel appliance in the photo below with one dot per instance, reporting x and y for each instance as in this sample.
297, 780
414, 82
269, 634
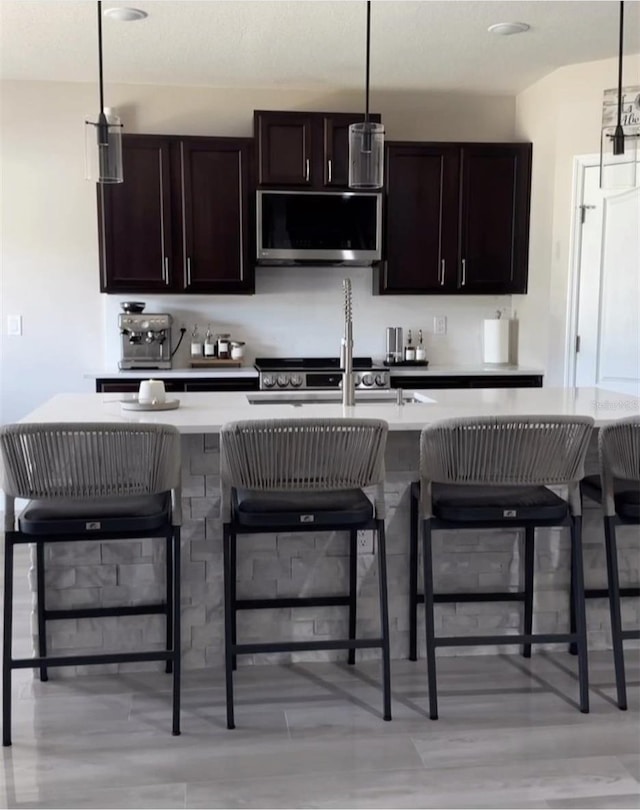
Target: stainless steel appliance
318, 373
145, 340
339, 227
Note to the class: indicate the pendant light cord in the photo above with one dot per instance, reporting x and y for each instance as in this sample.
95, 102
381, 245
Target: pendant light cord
366, 110
100, 55
620, 63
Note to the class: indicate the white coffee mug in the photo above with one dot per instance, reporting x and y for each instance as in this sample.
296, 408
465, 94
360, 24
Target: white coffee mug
151, 392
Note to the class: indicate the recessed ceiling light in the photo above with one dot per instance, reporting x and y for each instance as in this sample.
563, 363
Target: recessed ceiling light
124, 14
507, 28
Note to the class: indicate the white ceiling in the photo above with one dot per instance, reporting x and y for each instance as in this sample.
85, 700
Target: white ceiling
428, 45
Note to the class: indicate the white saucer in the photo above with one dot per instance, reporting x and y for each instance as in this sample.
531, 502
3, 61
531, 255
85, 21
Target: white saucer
134, 405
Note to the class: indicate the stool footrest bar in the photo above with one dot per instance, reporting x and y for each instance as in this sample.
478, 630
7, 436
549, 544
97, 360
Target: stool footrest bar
537, 638
92, 613
293, 601
629, 634
78, 660
300, 646
499, 596
603, 593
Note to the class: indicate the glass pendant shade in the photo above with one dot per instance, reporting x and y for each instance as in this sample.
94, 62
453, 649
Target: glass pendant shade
103, 149
366, 155
619, 167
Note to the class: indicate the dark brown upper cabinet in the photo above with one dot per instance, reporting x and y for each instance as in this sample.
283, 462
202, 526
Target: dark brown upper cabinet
457, 219
300, 149
182, 219
135, 220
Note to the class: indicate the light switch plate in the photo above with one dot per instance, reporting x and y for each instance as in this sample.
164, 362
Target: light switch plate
14, 324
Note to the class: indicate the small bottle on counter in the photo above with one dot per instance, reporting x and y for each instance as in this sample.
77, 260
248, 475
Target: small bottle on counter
224, 348
196, 342
409, 349
421, 354
209, 345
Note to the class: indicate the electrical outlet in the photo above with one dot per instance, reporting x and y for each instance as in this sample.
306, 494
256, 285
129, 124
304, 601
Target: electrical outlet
365, 542
440, 325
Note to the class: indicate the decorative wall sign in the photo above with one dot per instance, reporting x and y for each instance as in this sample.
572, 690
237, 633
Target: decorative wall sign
630, 107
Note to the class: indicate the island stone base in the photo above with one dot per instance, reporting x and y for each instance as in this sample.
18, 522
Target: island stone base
131, 572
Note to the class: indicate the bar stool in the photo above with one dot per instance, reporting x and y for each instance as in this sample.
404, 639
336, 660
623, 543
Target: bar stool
493, 472
617, 489
303, 476
91, 482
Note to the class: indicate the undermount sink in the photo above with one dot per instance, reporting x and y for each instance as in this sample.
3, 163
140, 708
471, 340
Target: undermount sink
333, 397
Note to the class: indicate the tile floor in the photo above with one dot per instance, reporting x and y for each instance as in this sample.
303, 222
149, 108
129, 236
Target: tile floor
509, 735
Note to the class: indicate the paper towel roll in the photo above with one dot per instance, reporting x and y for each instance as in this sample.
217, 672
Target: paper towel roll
496, 340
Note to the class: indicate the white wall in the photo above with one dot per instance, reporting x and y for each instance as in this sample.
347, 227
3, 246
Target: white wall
50, 249
562, 115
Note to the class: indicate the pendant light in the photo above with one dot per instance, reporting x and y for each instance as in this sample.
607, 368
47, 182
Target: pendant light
366, 139
103, 138
618, 143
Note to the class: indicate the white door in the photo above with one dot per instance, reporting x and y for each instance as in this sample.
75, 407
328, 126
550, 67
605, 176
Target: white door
608, 323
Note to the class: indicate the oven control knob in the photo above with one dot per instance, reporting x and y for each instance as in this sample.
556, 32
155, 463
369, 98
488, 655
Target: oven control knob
283, 380
268, 381
357, 379
296, 380
381, 380
367, 379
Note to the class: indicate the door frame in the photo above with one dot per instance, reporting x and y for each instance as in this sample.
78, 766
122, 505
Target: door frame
580, 164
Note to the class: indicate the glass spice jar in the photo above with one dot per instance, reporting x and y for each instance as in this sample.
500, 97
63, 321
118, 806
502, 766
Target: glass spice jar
224, 346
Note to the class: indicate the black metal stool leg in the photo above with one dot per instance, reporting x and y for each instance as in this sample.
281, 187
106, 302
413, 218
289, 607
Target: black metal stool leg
228, 623
233, 563
175, 621
573, 647
6, 641
169, 598
614, 609
529, 564
413, 577
384, 619
41, 607
429, 619
353, 587
581, 619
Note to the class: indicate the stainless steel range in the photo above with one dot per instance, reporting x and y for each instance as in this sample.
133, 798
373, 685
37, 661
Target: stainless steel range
318, 373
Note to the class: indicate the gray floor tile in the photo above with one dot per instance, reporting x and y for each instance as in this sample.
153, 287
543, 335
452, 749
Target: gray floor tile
632, 801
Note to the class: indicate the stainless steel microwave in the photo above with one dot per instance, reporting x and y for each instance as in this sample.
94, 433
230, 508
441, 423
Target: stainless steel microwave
341, 227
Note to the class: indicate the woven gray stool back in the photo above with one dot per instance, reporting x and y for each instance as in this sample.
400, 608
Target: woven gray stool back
619, 454
91, 481
479, 466
322, 466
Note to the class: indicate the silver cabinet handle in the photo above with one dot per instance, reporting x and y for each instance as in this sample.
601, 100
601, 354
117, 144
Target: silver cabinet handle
464, 272
442, 266
329, 169
188, 271
165, 270
306, 174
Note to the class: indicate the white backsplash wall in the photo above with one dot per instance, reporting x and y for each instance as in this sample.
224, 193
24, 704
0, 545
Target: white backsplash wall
298, 311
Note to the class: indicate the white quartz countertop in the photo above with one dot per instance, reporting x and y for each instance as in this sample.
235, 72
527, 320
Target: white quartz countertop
167, 374
249, 371
480, 369
207, 412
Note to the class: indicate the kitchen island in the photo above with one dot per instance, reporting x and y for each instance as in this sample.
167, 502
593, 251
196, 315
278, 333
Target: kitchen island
92, 574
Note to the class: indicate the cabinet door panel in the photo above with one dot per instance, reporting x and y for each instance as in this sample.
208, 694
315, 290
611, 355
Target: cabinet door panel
284, 148
494, 215
135, 220
215, 178
422, 193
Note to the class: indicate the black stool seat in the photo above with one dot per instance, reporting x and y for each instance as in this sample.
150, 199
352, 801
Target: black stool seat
75, 516
626, 495
349, 507
471, 502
